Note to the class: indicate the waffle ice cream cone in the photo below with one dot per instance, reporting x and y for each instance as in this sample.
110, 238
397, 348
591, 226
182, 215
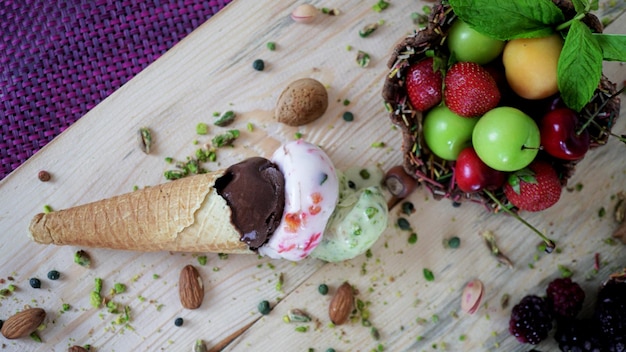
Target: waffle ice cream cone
187, 215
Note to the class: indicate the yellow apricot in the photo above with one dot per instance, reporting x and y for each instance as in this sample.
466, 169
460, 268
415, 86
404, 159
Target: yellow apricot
530, 65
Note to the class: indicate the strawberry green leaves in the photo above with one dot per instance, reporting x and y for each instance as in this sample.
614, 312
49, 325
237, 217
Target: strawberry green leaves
524, 175
580, 62
580, 66
506, 19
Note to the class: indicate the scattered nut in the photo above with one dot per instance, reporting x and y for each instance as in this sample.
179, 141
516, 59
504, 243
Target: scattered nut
44, 176
304, 13
342, 304
82, 258
399, 183
23, 323
77, 348
190, 288
302, 101
199, 346
145, 139
472, 295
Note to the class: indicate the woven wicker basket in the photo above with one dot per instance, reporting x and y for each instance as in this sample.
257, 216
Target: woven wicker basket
438, 174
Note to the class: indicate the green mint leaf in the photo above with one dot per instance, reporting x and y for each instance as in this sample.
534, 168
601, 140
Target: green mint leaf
613, 46
580, 5
594, 5
580, 66
507, 19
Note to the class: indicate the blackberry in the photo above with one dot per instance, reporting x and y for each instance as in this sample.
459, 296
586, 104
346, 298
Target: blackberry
565, 297
610, 310
575, 335
617, 344
531, 320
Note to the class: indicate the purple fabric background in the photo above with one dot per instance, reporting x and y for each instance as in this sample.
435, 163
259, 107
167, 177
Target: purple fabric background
59, 58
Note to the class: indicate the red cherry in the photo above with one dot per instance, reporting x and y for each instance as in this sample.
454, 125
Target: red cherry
559, 135
473, 175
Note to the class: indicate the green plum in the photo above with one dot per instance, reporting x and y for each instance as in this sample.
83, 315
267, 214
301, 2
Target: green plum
447, 133
467, 44
506, 139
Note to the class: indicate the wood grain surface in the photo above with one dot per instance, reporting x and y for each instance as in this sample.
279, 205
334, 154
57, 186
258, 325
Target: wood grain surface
211, 71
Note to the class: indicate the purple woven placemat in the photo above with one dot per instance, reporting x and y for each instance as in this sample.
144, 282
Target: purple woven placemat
59, 58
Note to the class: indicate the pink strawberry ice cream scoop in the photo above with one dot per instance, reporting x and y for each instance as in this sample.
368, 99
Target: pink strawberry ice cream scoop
311, 194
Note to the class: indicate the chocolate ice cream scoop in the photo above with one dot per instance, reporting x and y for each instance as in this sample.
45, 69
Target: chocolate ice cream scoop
255, 192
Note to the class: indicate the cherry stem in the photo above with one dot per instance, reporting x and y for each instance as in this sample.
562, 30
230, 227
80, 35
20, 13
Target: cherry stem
550, 245
592, 118
531, 148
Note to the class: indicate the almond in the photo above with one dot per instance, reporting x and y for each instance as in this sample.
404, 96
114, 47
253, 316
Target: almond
303, 101
342, 304
23, 323
77, 348
190, 288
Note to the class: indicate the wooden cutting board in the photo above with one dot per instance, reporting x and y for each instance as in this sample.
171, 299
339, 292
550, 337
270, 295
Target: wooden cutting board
211, 71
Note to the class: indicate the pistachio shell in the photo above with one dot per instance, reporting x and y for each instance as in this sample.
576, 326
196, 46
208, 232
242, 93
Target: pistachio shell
304, 13
303, 101
472, 295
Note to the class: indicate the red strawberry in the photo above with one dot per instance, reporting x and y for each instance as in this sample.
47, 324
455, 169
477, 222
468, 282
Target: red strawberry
534, 188
423, 85
470, 90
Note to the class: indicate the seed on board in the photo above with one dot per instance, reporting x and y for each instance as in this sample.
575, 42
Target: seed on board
44, 176
264, 307
34, 282
179, 321
258, 65
304, 13
453, 242
472, 295
54, 275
